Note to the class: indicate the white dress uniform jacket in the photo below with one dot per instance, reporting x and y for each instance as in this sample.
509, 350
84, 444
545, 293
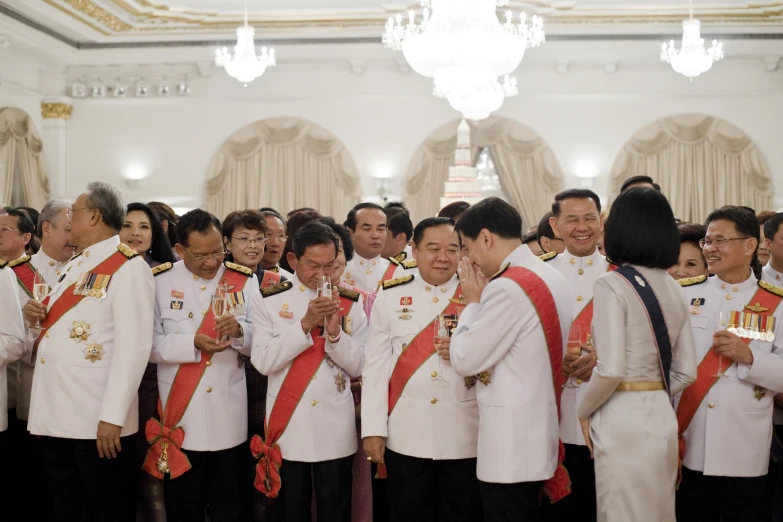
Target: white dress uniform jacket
216, 418
72, 393
50, 270
12, 335
432, 419
365, 274
12, 370
404, 268
580, 274
518, 424
770, 275
323, 425
731, 432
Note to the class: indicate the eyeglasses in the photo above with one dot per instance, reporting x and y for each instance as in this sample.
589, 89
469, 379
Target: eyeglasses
5, 230
280, 237
587, 220
200, 258
719, 243
246, 240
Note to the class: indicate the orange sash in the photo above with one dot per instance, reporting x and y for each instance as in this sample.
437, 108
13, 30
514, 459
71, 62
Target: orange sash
559, 486
270, 279
709, 367
585, 318
166, 436
25, 275
389, 271
267, 451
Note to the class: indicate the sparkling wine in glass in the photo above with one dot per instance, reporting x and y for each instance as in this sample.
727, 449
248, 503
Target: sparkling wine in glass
723, 322
442, 333
573, 347
325, 290
40, 291
219, 305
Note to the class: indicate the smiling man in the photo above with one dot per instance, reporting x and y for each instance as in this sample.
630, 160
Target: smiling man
275, 242
367, 223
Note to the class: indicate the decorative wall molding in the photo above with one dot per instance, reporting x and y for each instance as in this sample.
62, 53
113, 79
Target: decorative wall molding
60, 111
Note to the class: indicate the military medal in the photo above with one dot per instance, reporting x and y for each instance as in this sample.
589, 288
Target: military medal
236, 302
404, 317
176, 294
329, 362
92, 285
93, 352
485, 378
176, 305
406, 301
80, 331
759, 392
696, 303
340, 382
470, 382
163, 459
284, 313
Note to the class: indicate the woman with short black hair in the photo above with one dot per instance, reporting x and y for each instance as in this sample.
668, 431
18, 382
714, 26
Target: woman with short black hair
645, 352
691, 262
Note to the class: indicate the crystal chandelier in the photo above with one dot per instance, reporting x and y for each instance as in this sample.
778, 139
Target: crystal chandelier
245, 66
692, 59
465, 48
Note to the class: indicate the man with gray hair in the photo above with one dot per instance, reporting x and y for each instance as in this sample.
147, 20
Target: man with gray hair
94, 344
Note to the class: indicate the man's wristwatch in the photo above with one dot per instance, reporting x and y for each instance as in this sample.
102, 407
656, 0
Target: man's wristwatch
241, 332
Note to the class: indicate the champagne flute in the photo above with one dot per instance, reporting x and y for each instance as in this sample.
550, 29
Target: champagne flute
325, 290
219, 305
723, 321
40, 291
442, 333
573, 347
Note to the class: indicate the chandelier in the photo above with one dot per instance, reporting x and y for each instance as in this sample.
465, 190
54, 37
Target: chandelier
465, 48
692, 59
245, 66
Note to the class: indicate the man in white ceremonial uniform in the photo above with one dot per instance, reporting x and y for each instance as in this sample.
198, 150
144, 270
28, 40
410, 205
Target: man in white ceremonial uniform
275, 243
726, 422
95, 344
429, 439
314, 427
399, 232
501, 339
576, 219
215, 421
12, 347
367, 223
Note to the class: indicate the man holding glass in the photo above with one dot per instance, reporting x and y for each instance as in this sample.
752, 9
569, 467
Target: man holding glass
576, 218
725, 417
309, 340
200, 308
418, 416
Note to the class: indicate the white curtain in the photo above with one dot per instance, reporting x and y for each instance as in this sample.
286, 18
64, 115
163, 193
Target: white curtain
701, 163
22, 161
528, 171
284, 163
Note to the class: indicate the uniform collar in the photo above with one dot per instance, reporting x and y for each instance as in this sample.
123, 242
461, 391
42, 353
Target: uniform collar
300, 288
102, 249
363, 261
200, 279
40, 260
583, 262
518, 255
728, 288
774, 274
443, 291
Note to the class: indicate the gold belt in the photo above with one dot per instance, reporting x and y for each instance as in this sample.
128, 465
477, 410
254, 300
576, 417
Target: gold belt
640, 386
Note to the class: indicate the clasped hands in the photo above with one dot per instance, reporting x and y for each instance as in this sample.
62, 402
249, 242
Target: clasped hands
227, 328
320, 308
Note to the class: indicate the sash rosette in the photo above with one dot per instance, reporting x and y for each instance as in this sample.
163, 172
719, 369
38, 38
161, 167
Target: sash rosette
165, 447
269, 459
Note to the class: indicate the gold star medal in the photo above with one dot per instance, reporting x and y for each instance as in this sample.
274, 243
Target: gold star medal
80, 331
340, 382
93, 352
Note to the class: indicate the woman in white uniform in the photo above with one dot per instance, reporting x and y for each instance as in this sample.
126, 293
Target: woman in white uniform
626, 414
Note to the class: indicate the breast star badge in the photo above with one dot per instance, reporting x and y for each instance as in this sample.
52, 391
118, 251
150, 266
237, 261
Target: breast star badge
340, 382
93, 352
759, 392
80, 331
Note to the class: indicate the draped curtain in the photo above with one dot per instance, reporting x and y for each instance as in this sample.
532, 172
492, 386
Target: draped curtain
284, 163
701, 163
528, 171
22, 161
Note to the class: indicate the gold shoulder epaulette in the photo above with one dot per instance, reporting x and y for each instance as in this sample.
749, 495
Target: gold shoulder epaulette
348, 294
391, 283
239, 268
407, 265
690, 281
399, 258
503, 269
17, 262
2, 264
549, 256
162, 268
276, 289
769, 287
127, 251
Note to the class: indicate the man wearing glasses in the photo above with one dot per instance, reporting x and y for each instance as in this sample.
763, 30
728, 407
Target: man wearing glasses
275, 244
576, 219
725, 417
200, 332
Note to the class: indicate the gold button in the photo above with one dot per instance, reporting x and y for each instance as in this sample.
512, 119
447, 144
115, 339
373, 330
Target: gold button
404, 345
203, 287
368, 271
361, 263
735, 289
190, 315
711, 405
589, 262
579, 381
435, 299
434, 374
79, 263
43, 360
48, 334
51, 263
195, 277
301, 288
728, 297
176, 332
580, 271
573, 261
209, 363
434, 400
723, 286
314, 403
209, 389
314, 376
579, 298
87, 254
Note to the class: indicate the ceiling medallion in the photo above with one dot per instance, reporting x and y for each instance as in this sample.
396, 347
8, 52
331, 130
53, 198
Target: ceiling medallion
245, 66
466, 49
692, 59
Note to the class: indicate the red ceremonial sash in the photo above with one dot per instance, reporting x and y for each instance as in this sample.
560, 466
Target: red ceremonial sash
166, 436
389, 271
267, 451
270, 278
25, 275
585, 318
68, 300
559, 486
709, 368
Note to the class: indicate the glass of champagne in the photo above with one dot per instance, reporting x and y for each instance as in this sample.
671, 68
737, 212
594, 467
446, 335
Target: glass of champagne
40, 291
219, 305
325, 290
723, 321
442, 333
573, 347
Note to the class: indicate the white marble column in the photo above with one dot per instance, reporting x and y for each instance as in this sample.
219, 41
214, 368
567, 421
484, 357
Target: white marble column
55, 111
